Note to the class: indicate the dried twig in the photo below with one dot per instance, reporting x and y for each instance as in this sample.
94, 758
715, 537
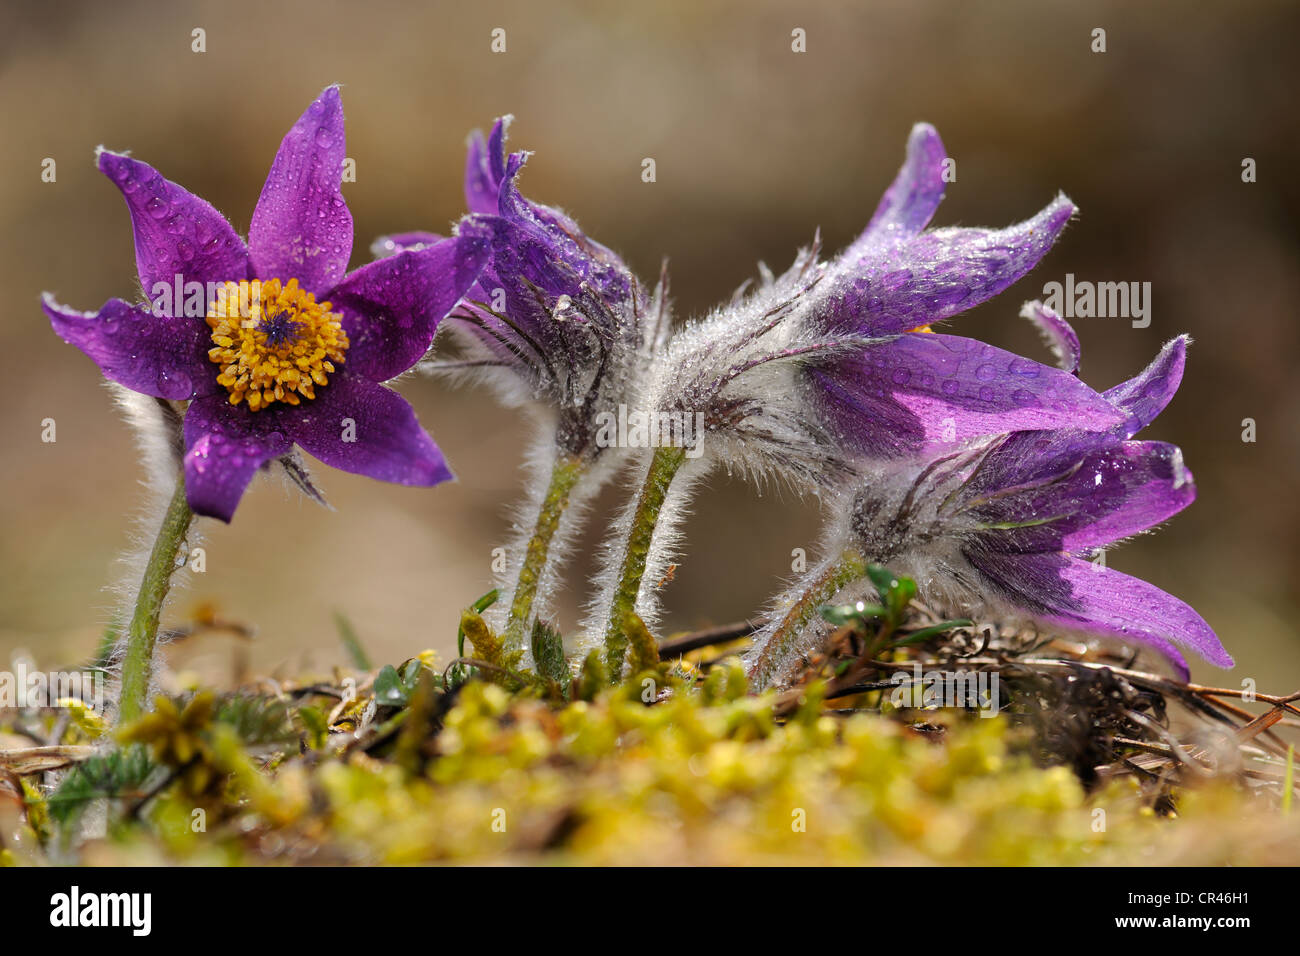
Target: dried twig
707, 637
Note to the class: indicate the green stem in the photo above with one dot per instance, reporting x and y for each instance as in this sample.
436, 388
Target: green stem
664, 466
564, 475
850, 567
137, 665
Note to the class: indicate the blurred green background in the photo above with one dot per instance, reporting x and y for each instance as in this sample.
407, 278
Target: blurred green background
756, 146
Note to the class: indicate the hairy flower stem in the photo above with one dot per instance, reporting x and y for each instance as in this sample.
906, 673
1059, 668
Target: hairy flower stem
564, 475
664, 466
137, 665
849, 567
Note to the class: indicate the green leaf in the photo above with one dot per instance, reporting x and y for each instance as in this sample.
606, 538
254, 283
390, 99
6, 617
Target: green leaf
900, 596
486, 601
927, 632
882, 578
258, 721
122, 773
316, 724
895, 592
845, 614
548, 653
390, 691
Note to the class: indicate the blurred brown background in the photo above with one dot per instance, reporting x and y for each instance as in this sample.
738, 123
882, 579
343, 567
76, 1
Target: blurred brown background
755, 146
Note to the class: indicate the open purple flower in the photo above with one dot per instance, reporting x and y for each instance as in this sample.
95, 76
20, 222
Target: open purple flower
1010, 525
273, 342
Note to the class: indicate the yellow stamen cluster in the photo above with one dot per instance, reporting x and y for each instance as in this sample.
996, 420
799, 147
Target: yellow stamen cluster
274, 342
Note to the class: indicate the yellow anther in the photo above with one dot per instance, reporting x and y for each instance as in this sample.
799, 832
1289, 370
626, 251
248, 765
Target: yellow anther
273, 342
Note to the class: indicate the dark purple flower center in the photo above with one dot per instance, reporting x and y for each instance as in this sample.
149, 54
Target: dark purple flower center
280, 329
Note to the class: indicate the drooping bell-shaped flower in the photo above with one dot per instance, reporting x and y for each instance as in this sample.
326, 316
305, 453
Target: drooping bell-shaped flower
834, 363
558, 325
845, 347
1009, 526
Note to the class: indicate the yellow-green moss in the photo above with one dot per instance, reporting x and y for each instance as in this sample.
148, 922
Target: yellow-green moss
706, 776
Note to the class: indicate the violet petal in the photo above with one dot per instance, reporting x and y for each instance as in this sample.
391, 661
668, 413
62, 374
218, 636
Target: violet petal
1099, 499
386, 246
1141, 484
302, 227
1034, 457
364, 428
911, 200
160, 356
391, 307
224, 446
1146, 394
485, 168
1108, 602
934, 275
1060, 336
576, 256
176, 232
955, 388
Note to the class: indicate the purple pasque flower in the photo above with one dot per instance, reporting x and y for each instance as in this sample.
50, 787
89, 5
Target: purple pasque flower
556, 321
843, 348
831, 364
558, 325
1013, 523
273, 343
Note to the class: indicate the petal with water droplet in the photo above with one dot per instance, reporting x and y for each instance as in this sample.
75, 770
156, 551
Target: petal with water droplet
301, 217
175, 231
224, 446
156, 355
